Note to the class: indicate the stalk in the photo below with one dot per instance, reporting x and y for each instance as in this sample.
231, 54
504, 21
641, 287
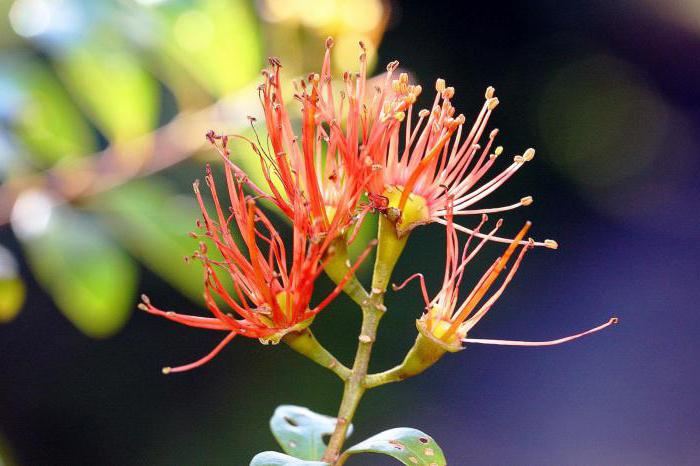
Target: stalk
389, 249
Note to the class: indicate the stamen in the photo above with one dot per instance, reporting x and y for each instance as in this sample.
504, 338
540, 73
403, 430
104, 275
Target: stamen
217, 349
559, 341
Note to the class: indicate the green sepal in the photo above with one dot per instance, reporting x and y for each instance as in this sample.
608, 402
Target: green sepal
300, 432
273, 458
410, 446
275, 338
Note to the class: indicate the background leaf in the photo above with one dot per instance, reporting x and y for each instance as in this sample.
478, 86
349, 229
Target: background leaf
152, 221
12, 289
300, 432
41, 113
410, 446
91, 279
115, 90
272, 458
215, 41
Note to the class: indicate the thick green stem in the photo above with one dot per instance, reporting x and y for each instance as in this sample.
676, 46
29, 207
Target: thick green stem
389, 249
421, 356
337, 268
372, 311
305, 343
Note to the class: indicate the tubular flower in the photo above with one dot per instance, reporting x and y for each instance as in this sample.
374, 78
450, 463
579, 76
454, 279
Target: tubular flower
437, 159
323, 165
269, 297
446, 322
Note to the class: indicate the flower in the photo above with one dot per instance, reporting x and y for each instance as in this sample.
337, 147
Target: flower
446, 321
323, 165
269, 297
435, 161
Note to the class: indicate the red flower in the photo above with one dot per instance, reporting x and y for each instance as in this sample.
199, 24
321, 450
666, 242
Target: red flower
448, 322
270, 290
436, 159
323, 165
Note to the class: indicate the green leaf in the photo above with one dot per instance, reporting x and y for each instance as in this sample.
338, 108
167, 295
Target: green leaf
152, 221
12, 289
410, 446
216, 41
91, 280
301, 432
272, 458
43, 116
113, 87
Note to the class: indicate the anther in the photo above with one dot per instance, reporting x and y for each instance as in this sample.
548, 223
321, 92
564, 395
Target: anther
551, 244
498, 151
489, 92
526, 200
529, 154
440, 85
493, 103
145, 299
166, 370
329, 42
424, 113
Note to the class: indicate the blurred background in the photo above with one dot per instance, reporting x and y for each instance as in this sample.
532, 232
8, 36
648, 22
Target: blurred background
103, 110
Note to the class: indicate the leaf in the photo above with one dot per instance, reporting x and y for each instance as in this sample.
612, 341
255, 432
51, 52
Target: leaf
91, 280
272, 458
216, 41
42, 114
115, 90
12, 289
410, 446
152, 221
300, 432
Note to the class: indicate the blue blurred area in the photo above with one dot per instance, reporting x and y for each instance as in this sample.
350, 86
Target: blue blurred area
608, 92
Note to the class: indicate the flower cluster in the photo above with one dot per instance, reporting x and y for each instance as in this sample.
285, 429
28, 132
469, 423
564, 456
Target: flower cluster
360, 150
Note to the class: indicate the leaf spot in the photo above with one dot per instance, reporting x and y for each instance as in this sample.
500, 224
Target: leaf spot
413, 459
398, 445
429, 452
423, 439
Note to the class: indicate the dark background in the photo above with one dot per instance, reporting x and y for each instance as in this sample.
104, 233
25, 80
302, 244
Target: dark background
609, 94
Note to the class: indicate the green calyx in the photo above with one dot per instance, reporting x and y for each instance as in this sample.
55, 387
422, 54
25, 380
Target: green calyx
413, 214
285, 301
436, 334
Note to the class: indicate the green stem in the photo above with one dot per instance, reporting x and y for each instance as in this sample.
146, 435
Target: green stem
337, 268
305, 343
372, 311
421, 356
389, 249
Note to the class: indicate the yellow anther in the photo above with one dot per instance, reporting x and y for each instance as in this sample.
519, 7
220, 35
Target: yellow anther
440, 85
551, 244
529, 154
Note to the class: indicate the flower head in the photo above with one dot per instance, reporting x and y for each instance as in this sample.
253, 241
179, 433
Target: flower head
437, 159
448, 320
322, 166
270, 290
